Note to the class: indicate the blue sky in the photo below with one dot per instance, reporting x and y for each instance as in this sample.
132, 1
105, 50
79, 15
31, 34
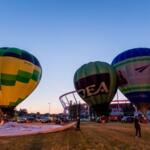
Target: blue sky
65, 34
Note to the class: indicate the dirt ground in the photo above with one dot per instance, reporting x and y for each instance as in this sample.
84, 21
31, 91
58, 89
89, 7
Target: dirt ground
92, 136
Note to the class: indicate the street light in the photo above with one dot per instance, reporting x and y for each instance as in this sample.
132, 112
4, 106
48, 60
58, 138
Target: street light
49, 107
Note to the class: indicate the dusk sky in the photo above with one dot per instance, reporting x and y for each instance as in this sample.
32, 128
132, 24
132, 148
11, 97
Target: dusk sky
65, 34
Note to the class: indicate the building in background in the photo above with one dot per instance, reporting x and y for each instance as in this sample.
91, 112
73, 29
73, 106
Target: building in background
71, 103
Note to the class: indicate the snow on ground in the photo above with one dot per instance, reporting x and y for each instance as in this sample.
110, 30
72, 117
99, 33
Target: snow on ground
15, 129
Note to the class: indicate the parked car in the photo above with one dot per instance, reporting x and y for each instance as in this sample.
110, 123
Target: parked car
21, 119
30, 119
127, 119
102, 119
98, 119
84, 119
45, 120
143, 119
114, 118
58, 121
38, 119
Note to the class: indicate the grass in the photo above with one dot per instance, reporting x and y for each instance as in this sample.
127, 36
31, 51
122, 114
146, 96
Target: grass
92, 136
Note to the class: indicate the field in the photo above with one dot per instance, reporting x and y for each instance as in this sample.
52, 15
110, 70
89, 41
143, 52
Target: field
92, 136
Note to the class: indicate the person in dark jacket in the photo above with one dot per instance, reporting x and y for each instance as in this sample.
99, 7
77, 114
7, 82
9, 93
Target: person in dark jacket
78, 123
137, 126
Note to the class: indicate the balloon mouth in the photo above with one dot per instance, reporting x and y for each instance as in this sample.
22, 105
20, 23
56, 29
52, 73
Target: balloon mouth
3, 108
102, 109
8, 110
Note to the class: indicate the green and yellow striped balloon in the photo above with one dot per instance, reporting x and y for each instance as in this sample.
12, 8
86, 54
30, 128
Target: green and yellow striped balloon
96, 84
20, 73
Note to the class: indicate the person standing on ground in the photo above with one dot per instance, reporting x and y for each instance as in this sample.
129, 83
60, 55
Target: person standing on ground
78, 123
137, 126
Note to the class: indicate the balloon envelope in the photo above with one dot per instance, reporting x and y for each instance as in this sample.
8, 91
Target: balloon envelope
20, 73
133, 70
95, 82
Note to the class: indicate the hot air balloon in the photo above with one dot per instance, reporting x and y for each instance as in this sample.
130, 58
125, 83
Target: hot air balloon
95, 82
133, 70
20, 73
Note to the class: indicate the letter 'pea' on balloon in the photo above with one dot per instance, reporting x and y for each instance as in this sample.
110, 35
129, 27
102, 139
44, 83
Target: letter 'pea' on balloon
20, 73
133, 70
96, 84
